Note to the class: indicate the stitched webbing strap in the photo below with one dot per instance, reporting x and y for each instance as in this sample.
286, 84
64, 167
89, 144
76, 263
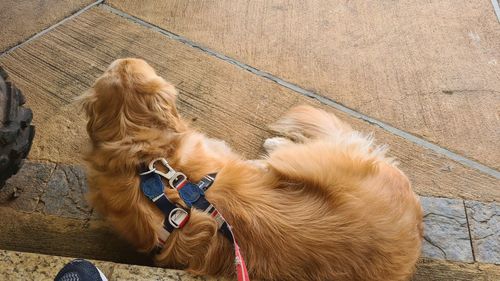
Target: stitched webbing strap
194, 195
175, 217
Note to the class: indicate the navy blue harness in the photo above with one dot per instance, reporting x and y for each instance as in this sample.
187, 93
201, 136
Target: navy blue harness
192, 194
194, 197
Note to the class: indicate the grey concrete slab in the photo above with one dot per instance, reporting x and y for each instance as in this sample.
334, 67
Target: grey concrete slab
446, 235
24, 190
484, 223
48, 188
65, 193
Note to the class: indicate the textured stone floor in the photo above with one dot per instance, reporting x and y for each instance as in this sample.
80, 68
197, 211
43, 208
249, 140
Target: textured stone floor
27, 266
461, 230
423, 77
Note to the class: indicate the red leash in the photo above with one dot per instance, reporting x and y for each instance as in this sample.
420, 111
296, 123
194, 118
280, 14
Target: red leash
239, 262
241, 267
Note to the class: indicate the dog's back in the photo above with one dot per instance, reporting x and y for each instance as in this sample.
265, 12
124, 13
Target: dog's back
375, 217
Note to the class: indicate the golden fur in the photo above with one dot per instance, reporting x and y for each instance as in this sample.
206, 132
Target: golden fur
325, 204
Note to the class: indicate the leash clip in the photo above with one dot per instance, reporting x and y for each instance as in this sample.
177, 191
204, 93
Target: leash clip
170, 171
175, 179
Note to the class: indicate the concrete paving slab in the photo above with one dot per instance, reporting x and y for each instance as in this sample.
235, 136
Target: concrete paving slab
484, 223
56, 235
431, 68
225, 101
19, 20
28, 266
133, 272
65, 193
446, 235
440, 270
48, 188
24, 190
47, 202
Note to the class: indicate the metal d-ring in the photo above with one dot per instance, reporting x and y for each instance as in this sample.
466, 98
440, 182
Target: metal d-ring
177, 181
175, 217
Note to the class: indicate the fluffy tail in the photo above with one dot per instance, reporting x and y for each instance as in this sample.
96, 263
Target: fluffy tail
305, 122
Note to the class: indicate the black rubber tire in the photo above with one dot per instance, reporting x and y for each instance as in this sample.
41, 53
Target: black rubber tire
16, 131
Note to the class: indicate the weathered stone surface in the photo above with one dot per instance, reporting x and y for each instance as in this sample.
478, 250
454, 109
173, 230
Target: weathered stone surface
48, 188
27, 266
431, 68
20, 20
56, 235
446, 235
65, 193
484, 223
440, 270
228, 103
133, 272
23, 191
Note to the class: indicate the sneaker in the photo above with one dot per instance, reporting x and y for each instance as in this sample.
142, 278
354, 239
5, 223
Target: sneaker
80, 270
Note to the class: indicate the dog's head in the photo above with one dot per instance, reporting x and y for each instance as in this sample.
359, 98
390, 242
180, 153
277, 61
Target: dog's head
127, 99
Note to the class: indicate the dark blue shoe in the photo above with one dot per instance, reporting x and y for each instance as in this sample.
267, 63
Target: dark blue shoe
80, 270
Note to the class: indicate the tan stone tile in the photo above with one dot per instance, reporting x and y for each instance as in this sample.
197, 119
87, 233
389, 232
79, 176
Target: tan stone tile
22, 19
431, 68
28, 266
133, 272
227, 102
46, 234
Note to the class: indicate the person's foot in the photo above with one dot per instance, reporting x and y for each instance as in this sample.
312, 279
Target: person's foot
80, 270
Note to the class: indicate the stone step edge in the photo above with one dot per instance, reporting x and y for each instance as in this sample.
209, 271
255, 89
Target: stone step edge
30, 266
455, 229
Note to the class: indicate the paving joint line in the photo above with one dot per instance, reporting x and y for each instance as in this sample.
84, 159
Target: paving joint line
496, 8
470, 233
46, 30
324, 100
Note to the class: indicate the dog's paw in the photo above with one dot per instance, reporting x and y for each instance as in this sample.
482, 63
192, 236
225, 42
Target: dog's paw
271, 144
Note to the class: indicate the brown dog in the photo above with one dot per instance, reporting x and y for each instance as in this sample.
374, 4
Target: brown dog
324, 205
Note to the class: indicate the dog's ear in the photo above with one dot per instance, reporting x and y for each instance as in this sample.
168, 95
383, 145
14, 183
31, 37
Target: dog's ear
151, 102
101, 105
149, 85
156, 86
86, 102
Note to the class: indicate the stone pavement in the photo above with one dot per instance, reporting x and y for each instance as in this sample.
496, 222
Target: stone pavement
238, 66
461, 230
455, 230
27, 266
